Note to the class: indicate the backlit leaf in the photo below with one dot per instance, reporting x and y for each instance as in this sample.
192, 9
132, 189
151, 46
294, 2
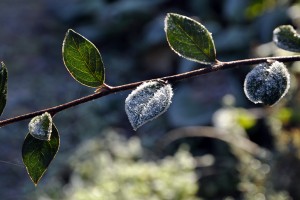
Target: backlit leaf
83, 60
38, 154
286, 37
190, 39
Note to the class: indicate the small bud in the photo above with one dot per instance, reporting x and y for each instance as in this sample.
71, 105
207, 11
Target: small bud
267, 83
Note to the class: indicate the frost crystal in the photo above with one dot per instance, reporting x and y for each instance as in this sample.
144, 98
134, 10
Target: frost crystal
267, 83
148, 101
40, 127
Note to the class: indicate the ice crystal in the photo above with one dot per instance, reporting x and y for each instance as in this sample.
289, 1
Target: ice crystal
40, 126
148, 101
267, 83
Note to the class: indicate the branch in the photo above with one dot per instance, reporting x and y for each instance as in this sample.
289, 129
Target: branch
106, 90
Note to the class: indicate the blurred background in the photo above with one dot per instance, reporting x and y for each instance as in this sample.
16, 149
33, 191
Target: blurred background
212, 143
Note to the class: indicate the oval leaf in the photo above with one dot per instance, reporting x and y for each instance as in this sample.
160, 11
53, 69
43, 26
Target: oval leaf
190, 39
3, 87
38, 154
83, 60
267, 83
40, 127
285, 37
148, 101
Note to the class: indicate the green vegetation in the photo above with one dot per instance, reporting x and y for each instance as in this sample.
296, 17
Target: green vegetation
207, 140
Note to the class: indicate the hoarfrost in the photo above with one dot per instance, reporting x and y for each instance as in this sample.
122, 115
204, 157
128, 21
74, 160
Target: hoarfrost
286, 37
148, 101
40, 126
267, 83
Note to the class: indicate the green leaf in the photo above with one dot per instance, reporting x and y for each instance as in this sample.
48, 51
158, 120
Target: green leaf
38, 154
3, 87
285, 37
190, 39
83, 60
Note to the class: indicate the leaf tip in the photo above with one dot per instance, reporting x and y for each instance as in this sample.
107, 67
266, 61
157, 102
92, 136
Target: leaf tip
3, 66
67, 35
70, 31
169, 15
167, 20
35, 182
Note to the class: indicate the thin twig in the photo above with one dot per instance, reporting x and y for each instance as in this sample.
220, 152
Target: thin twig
106, 90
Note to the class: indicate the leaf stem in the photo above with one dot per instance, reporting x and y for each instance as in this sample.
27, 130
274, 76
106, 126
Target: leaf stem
174, 78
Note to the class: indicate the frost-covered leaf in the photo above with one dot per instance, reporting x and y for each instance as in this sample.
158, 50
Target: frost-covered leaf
267, 83
3, 87
38, 154
287, 38
148, 101
83, 60
190, 39
40, 126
